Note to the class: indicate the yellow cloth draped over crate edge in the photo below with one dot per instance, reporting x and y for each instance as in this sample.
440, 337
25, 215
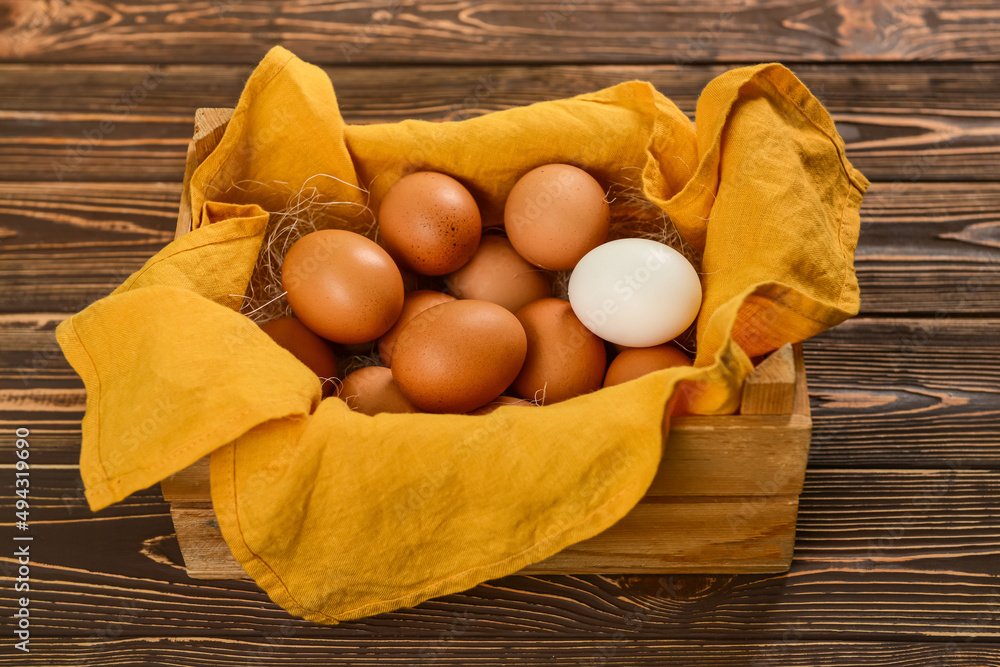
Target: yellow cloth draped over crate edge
338, 515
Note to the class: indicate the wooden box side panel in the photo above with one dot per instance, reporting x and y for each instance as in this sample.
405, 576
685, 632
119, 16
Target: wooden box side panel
751, 534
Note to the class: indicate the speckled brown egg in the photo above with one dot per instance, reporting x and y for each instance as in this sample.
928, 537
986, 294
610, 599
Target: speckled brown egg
342, 285
635, 362
498, 274
555, 214
501, 401
458, 356
429, 223
372, 390
414, 303
564, 358
310, 349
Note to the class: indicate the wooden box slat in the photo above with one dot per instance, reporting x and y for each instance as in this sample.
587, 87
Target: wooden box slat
720, 535
724, 500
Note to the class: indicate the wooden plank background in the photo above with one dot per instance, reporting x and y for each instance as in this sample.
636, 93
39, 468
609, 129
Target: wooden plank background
556, 31
896, 560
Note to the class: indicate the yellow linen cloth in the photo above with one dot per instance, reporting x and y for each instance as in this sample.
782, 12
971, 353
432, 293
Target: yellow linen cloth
338, 515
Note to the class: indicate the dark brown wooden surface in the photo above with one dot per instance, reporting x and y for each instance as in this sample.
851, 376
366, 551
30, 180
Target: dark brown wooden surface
133, 122
396, 31
897, 559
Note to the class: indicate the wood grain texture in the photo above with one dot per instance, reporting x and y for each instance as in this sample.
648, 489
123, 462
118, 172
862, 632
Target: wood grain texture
918, 390
659, 535
894, 567
381, 31
64, 245
451, 647
459, 90
133, 123
770, 389
880, 555
931, 250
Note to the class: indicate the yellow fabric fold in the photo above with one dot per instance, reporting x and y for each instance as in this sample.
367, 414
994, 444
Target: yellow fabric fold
338, 515
382, 512
154, 354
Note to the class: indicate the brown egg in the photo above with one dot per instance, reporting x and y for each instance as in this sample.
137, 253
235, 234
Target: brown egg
372, 390
458, 356
414, 303
310, 349
500, 401
556, 214
637, 361
342, 286
498, 274
564, 358
429, 223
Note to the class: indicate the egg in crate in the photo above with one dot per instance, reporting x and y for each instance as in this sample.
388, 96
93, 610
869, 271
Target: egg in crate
414, 303
555, 214
342, 286
429, 223
635, 292
635, 362
564, 359
498, 274
371, 390
310, 349
459, 355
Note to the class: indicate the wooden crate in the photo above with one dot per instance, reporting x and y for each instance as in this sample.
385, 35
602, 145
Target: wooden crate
724, 500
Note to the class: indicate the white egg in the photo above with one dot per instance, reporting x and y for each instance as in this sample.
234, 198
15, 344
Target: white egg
635, 292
